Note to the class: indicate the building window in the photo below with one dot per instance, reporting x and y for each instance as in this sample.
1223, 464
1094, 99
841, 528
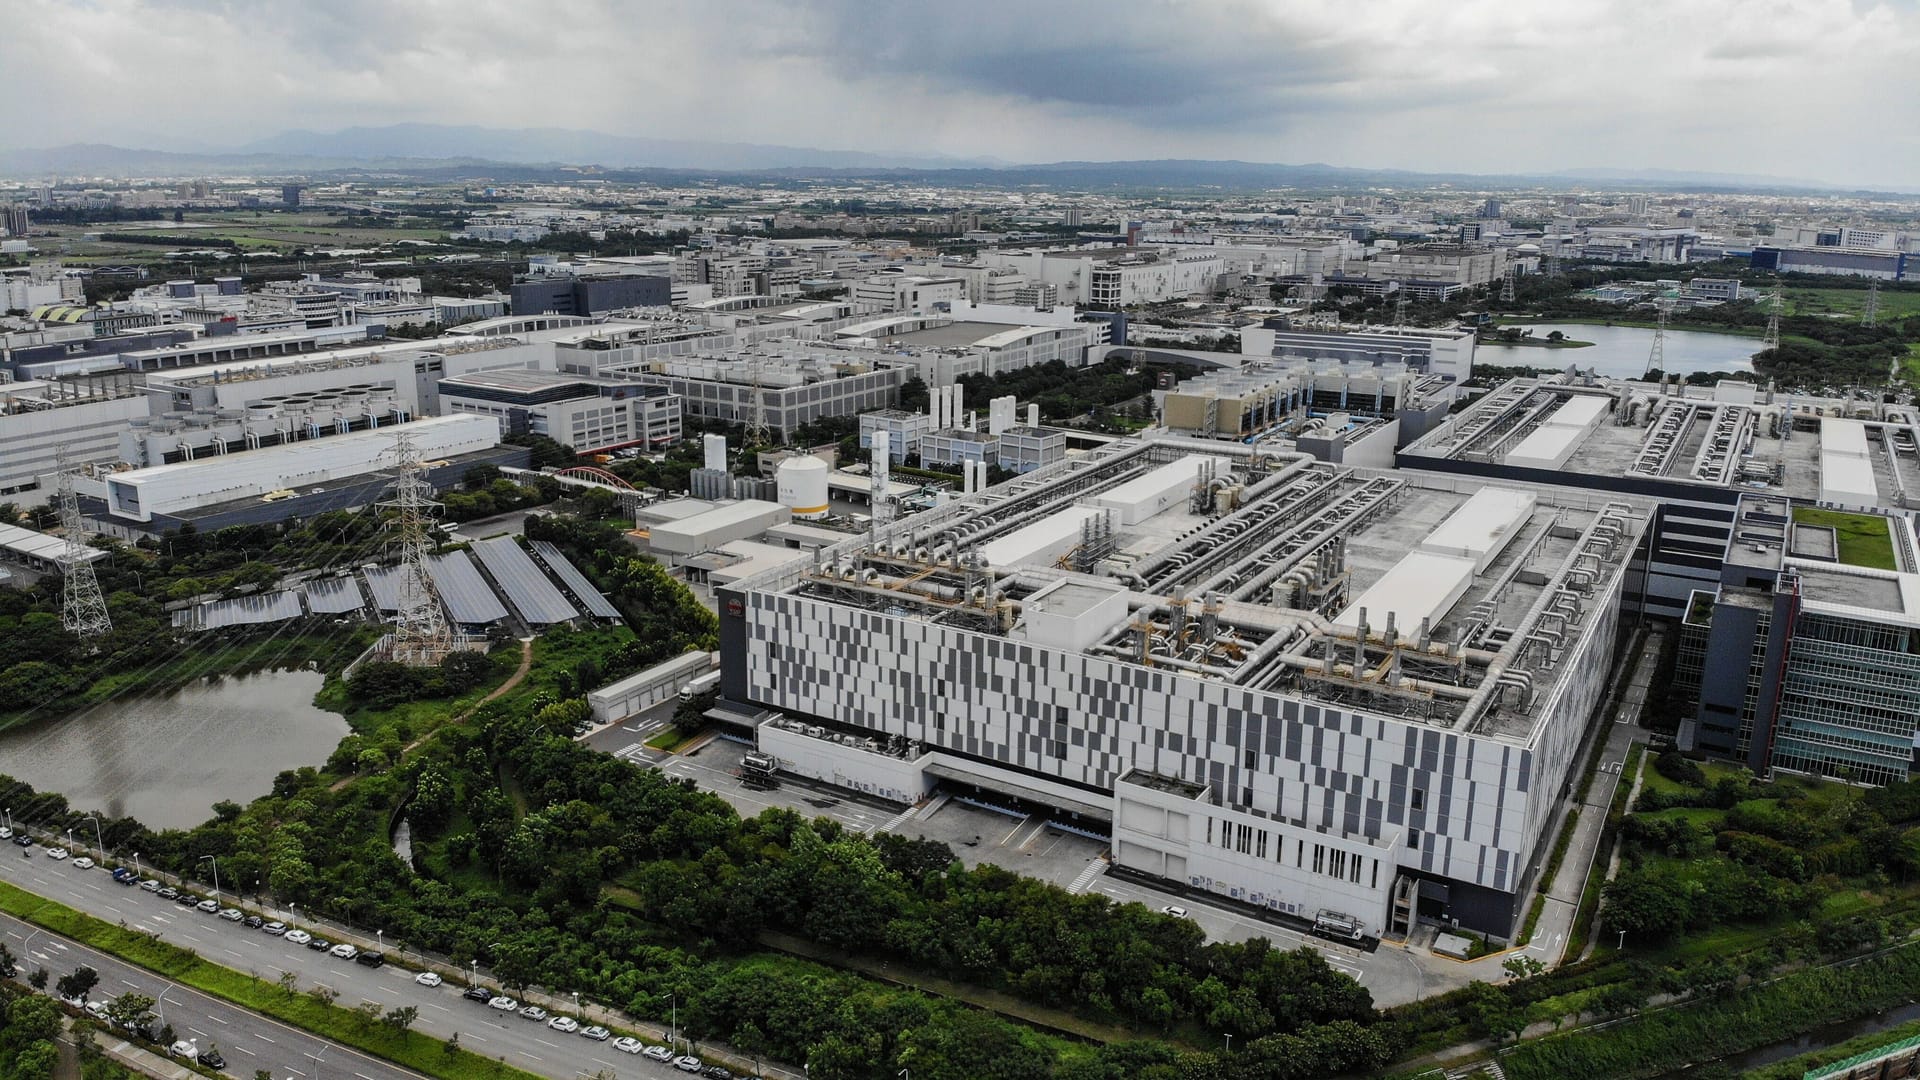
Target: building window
1419, 798
1413, 838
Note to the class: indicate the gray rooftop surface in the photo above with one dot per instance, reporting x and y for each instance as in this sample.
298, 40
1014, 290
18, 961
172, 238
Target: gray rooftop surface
1852, 590
576, 582
952, 335
468, 598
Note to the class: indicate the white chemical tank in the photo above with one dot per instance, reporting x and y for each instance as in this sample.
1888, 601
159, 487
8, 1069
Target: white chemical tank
802, 486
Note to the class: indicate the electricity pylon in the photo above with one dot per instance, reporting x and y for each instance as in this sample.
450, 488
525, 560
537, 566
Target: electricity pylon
421, 636
83, 610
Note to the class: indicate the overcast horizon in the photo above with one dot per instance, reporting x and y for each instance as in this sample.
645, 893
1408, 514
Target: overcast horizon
1820, 89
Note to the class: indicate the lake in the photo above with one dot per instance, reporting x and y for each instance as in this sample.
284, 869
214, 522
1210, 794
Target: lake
167, 759
1621, 351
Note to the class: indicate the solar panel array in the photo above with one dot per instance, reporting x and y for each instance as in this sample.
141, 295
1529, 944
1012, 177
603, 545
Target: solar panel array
470, 601
384, 583
246, 610
596, 604
334, 596
527, 589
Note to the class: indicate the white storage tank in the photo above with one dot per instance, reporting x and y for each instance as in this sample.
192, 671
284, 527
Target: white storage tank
801, 483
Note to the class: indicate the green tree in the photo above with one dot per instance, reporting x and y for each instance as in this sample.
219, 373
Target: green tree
1647, 905
401, 1020
77, 983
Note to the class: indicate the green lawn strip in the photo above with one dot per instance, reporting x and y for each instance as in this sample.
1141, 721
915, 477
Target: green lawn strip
415, 1051
1548, 873
1863, 538
669, 739
1663, 1040
1597, 877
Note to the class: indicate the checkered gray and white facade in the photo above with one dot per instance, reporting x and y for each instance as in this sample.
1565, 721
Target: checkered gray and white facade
1302, 805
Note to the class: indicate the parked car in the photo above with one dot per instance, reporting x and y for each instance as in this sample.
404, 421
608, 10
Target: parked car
125, 876
370, 958
564, 1024
627, 1044
478, 993
23, 840
169, 893
185, 1049
208, 906
152, 886
232, 914
56, 853
83, 863
253, 922
503, 1003
533, 1012
298, 937
5, 833
1174, 910
276, 928
659, 1053
319, 944
343, 951
428, 978
187, 899
97, 1009
717, 1072
210, 1057
596, 1033
687, 1063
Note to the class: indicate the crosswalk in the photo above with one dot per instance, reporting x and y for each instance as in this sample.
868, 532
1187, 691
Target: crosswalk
1088, 876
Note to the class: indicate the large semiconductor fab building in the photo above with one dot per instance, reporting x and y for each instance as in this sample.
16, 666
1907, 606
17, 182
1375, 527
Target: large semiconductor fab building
1310, 687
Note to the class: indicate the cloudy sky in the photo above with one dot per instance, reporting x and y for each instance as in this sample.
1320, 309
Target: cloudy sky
1828, 89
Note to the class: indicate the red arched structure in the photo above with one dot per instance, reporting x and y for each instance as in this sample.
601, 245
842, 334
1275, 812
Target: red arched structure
589, 472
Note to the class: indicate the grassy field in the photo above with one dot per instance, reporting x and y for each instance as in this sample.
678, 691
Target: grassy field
419, 1052
252, 230
1864, 539
1849, 302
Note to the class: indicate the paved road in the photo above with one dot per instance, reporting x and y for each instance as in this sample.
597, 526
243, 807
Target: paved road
443, 1012
248, 1040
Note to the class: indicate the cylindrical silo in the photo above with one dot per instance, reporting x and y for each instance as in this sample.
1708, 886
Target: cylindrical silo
801, 483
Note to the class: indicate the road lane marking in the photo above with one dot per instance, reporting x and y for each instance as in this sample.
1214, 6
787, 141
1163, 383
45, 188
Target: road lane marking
261, 1037
245, 1051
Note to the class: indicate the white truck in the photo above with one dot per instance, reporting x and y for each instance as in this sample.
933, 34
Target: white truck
702, 684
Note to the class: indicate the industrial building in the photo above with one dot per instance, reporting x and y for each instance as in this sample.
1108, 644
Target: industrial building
589, 415
941, 351
139, 495
1303, 686
1447, 353
595, 294
792, 384
1296, 399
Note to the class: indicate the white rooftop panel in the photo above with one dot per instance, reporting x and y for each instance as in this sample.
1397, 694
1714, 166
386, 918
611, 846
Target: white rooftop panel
1482, 526
1548, 447
1581, 410
1839, 436
1041, 542
1421, 586
1144, 496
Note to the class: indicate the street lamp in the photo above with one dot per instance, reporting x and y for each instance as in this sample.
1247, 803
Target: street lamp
1229, 1043
1623, 942
9, 819
216, 873
70, 844
97, 840
673, 1018
576, 1005
161, 1004
136, 865
379, 940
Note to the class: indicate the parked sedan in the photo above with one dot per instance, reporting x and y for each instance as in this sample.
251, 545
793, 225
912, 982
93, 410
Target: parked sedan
627, 1044
319, 944
343, 951
566, 1025
232, 914
208, 906
503, 1003
299, 937
687, 1063
276, 928
659, 1053
212, 1059
533, 1012
254, 922
596, 1033
428, 978
83, 863
169, 893
56, 853
478, 993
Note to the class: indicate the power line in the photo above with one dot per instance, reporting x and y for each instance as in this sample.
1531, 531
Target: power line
1657, 355
1872, 314
1774, 306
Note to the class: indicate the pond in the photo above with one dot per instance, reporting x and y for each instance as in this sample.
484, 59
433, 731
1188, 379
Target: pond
1621, 351
166, 759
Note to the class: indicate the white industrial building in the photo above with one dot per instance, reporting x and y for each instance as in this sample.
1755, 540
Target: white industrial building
908, 292
139, 494
674, 541
1297, 685
1116, 277
589, 415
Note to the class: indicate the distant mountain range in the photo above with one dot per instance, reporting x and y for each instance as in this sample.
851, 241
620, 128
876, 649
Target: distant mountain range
452, 152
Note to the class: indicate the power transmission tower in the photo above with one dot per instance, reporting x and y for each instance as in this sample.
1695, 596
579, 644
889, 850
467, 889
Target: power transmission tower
1400, 309
1872, 314
1774, 306
1506, 283
421, 636
83, 610
1657, 356
756, 419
